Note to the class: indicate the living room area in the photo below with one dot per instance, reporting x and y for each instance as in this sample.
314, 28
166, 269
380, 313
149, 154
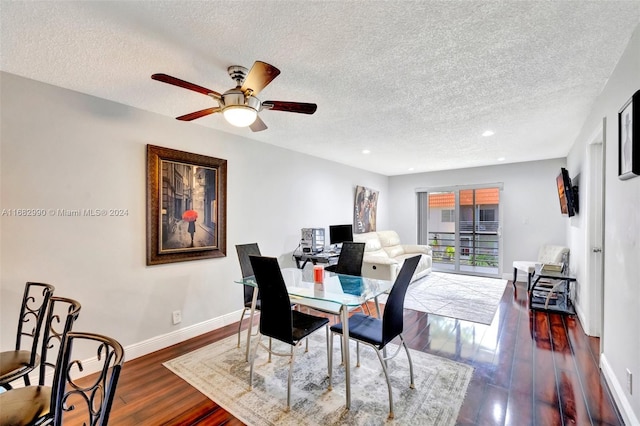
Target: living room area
63, 149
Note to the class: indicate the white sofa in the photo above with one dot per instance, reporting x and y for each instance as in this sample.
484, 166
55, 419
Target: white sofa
384, 255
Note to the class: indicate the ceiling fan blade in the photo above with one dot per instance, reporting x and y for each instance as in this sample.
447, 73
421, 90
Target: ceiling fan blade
185, 84
260, 75
299, 107
258, 125
198, 114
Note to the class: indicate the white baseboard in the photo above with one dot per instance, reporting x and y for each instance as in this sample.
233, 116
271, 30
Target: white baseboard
583, 319
521, 276
160, 342
156, 343
507, 277
618, 392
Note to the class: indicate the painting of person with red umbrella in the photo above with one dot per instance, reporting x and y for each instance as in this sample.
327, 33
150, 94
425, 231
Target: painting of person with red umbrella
189, 208
186, 206
190, 216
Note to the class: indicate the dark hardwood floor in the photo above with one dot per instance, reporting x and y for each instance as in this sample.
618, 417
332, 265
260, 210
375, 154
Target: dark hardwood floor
531, 368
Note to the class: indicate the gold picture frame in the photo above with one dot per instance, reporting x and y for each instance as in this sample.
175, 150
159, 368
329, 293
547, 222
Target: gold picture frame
186, 206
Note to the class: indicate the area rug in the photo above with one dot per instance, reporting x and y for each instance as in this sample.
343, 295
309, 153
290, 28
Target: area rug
220, 372
464, 297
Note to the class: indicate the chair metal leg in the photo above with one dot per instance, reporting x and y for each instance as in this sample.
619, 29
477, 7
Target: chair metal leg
253, 359
326, 327
357, 354
293, 356
253, 311
384, 355
330, 354
240, 325
337, 318
368, 309
515, 277
386, 375
412, 385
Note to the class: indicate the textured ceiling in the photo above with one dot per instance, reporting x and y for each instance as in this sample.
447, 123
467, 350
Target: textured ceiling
416, 83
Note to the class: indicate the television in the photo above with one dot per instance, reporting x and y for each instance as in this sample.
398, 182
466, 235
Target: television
567, 194
340, 233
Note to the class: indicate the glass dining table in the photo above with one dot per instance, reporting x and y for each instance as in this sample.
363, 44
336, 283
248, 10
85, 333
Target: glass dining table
338, 294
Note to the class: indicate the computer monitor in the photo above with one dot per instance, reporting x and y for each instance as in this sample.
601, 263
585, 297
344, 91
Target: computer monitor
340, 233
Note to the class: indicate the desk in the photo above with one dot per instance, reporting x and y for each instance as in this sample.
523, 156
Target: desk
336, 295
553, 294
315, 258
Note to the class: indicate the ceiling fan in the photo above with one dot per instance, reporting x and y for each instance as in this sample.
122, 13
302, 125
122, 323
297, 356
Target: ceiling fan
239, 105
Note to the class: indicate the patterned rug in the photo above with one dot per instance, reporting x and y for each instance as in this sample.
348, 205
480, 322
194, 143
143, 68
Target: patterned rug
464, 297
220, 372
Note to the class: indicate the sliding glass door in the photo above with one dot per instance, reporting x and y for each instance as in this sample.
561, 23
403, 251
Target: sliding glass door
462, 225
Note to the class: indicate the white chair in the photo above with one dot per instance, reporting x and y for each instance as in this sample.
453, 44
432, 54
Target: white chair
546, 254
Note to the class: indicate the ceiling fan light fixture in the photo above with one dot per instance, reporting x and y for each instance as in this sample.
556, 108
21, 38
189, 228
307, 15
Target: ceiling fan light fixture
240, 115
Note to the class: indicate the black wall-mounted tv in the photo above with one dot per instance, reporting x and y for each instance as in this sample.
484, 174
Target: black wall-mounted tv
567, 194
340, 233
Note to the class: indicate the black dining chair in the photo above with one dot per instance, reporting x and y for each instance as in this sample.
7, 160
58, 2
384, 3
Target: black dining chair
376, 332
23, 360
277, 319
89, 398
34, 401
350, 262
61, 316
350, 259
244, 251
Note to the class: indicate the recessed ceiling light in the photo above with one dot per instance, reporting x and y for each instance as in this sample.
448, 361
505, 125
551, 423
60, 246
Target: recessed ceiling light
366, 151
501, 159
488, 133
410, 169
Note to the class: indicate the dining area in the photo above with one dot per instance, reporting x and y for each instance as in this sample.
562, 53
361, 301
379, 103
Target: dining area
294, 303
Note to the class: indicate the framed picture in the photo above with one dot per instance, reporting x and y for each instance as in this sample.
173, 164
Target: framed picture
629, 138
186, 206
365, 209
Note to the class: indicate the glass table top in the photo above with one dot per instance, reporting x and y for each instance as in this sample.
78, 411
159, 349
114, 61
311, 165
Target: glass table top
345, 290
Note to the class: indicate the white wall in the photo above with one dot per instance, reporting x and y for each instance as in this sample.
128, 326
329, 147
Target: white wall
65, 150
530, 206
621, 329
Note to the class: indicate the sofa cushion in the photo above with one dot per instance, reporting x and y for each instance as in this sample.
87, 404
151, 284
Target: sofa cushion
388, 238
377, 253
371, 240
390, 242
394, 251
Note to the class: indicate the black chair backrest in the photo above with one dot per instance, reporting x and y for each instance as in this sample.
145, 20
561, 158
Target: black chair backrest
61, 315
32, 316
244, 251
392, 318
93, 399
276, 319
350, 260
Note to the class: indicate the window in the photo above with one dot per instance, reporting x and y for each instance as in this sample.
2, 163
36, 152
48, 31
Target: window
487, 215
465, 243
448, 216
